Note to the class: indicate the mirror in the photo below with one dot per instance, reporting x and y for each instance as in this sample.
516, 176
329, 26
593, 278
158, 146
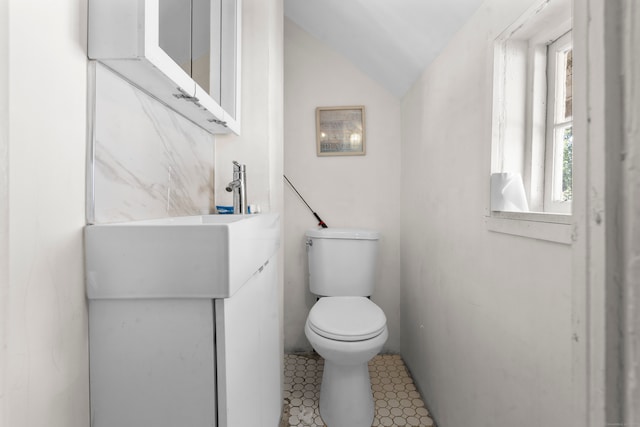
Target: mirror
186, 36
200, 36
175, 32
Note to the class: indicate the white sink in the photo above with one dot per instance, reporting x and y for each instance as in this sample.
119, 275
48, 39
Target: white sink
206, 256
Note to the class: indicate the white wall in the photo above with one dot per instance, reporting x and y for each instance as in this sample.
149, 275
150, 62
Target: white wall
346, 191
260, 144
486, 317
4, 197
631, 195
43, 310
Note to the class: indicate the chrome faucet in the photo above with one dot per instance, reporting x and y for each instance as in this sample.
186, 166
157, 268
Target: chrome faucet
239, 188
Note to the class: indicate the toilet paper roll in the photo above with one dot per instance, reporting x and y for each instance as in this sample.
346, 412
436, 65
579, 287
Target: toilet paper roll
507, 193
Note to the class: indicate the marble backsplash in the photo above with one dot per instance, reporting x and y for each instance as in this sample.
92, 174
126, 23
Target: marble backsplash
145, 161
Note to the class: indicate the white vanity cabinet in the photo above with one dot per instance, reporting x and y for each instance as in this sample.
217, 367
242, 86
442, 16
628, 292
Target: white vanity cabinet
185, 53
249, 353
184, 322
188, 362
152, 363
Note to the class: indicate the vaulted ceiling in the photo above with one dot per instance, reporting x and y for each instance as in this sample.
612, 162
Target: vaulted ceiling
392, 41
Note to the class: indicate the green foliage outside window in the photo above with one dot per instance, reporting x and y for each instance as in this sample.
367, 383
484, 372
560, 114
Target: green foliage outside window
567, 165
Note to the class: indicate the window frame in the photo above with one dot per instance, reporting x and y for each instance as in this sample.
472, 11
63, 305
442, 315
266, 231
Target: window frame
518, 135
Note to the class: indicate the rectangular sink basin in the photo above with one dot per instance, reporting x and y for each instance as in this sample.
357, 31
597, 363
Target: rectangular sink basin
205, 256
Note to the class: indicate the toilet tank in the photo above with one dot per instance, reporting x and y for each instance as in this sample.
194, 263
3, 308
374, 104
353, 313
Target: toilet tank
342, 261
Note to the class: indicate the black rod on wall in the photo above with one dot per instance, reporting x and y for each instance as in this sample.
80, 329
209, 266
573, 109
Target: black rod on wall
321, 223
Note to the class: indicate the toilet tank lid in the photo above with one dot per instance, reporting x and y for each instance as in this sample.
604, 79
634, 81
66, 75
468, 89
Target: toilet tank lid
343, 233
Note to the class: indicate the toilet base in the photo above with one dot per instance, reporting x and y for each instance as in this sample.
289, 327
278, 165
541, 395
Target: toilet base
346, 399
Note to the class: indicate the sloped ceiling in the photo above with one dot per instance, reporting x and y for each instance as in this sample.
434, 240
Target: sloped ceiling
392, 41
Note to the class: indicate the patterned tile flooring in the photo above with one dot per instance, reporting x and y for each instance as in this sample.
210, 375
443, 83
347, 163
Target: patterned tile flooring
397, 402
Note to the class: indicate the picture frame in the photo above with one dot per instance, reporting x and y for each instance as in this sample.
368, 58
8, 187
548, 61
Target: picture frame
340, 131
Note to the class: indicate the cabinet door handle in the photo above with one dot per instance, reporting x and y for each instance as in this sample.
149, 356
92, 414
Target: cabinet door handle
184, 95
218, 122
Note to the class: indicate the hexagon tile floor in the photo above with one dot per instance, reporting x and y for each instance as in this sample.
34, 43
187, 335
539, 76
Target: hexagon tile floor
397, 402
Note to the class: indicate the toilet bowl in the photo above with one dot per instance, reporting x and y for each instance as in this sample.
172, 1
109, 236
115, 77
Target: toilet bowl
347, 332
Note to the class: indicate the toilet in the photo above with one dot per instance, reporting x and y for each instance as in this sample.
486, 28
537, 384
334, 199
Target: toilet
344, 326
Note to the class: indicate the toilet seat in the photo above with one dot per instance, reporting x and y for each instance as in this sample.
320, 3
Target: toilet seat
347, 318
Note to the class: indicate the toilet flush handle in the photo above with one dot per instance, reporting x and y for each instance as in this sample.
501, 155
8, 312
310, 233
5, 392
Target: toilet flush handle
309, 243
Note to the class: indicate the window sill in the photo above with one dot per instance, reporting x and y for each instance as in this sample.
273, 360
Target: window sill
534, 225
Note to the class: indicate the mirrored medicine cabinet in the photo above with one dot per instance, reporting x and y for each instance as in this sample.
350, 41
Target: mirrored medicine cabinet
185, 53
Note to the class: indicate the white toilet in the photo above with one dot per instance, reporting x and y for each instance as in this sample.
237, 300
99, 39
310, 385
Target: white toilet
344, 326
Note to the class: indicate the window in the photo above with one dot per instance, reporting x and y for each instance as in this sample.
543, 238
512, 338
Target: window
532, 132
559, 135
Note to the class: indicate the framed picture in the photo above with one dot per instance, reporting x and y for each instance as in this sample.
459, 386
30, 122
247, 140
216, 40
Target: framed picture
340, 131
